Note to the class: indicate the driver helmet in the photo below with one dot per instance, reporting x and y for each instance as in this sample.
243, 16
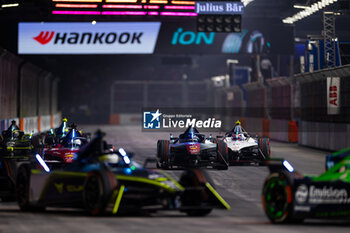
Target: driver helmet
13, 127
16, 133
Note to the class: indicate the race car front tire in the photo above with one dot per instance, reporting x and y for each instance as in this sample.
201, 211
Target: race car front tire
264, 147
98, 189
222, 155
22, 190
194, 181
277, 199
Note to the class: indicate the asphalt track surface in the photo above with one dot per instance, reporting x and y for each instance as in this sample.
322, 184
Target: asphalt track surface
240, 187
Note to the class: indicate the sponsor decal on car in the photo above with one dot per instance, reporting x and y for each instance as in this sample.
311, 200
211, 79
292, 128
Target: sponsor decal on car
302, 208
321, 195
301, 194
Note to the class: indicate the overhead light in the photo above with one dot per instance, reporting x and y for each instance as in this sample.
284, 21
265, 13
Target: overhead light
246, 2
10, 5
308, 11
232, 61
300, 7
93, 22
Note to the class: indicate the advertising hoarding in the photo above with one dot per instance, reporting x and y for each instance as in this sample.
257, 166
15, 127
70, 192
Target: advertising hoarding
88, 38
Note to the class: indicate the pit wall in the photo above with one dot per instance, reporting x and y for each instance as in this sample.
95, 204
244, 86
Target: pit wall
28, 95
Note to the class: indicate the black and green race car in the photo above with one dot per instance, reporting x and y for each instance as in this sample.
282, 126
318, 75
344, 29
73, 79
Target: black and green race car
103, 181
334, 158
15, 147
13, 141
288, 196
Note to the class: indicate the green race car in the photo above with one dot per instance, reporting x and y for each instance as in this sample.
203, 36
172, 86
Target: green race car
288, 196
334, 158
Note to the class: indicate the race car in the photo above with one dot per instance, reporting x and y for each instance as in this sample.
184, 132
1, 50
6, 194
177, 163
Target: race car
53, 136
60, 131
104, 181
66, 147
8, 174
332, 159
244, 149
290, 197
15, 146
14, 142
192, 149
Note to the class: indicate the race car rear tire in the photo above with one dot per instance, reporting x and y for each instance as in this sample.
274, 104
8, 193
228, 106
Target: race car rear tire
277, 199
22, 190
163, 153
98, 189
222, 154
197, 179
264, 146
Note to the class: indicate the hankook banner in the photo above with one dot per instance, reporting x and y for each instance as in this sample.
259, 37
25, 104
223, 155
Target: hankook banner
88, 38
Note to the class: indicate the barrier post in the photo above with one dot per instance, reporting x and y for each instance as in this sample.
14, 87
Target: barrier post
266, 128
292, 131
39, 124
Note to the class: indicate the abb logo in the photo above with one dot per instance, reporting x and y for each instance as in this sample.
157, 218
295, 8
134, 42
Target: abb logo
44, 37
333, 95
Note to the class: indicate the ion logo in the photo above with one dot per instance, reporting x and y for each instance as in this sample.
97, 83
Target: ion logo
151, 120
301, 194
44, 37
188, 37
